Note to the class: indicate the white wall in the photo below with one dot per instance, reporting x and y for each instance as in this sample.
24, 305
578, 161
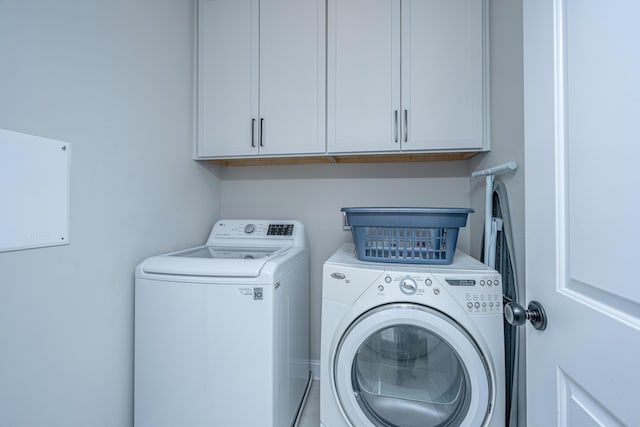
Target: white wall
507, 138
314, 195
507, 123
114, 78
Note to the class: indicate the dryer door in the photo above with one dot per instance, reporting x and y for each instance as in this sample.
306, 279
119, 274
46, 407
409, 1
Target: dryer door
406, 365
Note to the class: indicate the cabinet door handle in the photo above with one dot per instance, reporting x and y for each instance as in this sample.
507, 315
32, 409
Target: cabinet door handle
395, 114
253, 132
406, 126
261, 137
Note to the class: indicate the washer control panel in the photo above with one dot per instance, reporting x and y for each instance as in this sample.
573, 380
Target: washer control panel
253, 229
280, 230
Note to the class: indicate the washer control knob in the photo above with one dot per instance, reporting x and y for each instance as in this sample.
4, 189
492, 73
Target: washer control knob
387, 279
249, 228
408, 286
428, 282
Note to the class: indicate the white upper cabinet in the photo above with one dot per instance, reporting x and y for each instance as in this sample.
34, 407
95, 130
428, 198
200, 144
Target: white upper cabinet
261, 77
227, 76
405, 75
363, 79
292, 76
442, 74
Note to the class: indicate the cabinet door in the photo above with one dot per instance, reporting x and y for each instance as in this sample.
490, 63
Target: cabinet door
227, 77
363, 92
292, 76
442, 74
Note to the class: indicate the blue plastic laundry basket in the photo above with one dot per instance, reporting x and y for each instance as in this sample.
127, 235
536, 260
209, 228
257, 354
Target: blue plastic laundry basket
406, 235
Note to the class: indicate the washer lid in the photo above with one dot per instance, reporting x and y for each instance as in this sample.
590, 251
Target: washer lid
209, 261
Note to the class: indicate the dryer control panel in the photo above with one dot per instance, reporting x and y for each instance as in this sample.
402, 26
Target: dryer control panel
464, 286
478, 294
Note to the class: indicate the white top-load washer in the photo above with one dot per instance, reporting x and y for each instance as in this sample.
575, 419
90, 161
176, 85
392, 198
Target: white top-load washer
222, 330
408, 345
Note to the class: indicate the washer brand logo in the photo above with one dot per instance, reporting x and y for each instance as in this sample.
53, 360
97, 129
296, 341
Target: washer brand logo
257, 294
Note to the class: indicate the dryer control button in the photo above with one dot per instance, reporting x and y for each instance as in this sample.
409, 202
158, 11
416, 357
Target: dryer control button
408, 286
387, 279
249, 228
428, 282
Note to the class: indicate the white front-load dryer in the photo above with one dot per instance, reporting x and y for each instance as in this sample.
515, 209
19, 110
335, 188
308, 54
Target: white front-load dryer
411, 346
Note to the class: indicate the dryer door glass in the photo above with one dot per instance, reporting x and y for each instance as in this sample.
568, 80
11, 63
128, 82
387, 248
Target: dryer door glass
406, 365
405, 375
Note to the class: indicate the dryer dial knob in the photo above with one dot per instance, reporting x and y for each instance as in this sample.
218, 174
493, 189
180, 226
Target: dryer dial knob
249, 228
408, 286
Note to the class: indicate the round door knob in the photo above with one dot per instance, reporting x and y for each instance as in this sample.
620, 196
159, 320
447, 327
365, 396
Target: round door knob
516, 315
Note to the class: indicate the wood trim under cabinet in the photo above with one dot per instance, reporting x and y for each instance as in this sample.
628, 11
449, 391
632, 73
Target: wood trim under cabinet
360, 158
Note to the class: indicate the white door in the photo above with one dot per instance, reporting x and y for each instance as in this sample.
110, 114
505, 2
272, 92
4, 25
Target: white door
582, 148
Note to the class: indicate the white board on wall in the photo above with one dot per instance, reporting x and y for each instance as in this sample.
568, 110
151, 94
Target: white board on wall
34, 191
